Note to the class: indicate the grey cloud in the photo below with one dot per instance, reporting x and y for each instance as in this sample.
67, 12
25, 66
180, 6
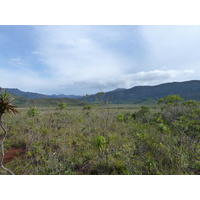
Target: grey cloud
126, 81
157, 76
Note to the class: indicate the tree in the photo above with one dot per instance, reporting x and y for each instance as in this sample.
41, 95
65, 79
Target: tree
170, 100
171, 107
142, 114
5, 107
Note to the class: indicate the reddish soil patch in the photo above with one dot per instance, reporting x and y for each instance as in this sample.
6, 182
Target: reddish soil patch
12, 154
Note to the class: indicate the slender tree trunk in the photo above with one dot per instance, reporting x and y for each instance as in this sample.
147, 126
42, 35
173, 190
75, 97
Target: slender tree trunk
2, 148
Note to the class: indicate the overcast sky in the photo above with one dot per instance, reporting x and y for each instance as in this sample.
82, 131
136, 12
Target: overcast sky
88, 59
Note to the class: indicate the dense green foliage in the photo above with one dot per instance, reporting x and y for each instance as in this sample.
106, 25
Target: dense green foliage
108, 140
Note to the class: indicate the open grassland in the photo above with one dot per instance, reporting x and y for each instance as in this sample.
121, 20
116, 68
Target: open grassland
111, 139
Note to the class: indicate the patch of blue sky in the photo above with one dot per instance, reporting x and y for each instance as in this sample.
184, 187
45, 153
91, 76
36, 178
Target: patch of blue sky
18, 49
17, 41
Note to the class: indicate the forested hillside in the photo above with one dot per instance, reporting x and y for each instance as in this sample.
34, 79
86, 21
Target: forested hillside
189, 90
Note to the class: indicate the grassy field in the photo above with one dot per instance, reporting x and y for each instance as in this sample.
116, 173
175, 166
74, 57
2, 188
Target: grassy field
111, 139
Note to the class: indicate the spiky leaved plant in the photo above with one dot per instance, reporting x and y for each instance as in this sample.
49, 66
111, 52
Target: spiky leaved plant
5, 107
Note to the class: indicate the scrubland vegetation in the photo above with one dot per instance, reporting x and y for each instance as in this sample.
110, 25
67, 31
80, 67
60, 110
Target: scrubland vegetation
106, 139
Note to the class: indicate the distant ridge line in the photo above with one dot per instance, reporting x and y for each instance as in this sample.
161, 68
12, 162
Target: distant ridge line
143, 94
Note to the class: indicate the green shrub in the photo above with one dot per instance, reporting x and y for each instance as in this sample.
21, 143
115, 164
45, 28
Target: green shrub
87, 107
120, 117
62, 106
99, 142
32, 112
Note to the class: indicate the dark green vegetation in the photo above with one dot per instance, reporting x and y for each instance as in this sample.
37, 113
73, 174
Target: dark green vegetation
147, 95
46, 102
105, 139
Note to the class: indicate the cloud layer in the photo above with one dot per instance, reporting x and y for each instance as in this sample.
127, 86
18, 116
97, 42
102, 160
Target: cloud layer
89, 59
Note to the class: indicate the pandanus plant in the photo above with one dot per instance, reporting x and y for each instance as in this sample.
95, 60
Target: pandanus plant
5, 107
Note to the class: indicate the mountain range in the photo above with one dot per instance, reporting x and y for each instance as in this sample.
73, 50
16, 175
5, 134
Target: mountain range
32, 95
135, 95
29, 99
151, 94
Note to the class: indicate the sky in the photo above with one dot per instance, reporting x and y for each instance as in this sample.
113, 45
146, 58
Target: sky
86, 59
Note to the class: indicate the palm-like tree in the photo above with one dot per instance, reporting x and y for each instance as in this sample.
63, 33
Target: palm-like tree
5, 107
